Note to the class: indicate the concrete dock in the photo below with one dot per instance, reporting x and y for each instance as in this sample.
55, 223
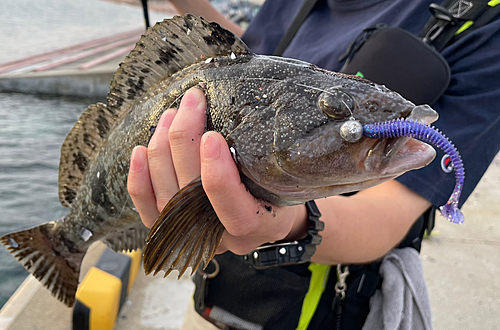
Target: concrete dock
153, 303
462, 263
51, 47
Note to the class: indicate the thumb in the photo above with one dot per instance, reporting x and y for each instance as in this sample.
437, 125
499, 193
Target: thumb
238, 210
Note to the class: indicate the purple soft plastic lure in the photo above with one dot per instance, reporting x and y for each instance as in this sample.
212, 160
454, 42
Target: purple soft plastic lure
414, 129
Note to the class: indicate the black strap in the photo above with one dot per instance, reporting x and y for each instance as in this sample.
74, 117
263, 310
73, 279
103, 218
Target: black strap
304, 11
146, 12
449, 17
288, 253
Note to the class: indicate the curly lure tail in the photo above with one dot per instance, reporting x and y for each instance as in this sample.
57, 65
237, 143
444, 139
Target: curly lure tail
414, 129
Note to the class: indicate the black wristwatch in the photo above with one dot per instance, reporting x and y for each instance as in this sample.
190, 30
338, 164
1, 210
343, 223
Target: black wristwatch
288, 253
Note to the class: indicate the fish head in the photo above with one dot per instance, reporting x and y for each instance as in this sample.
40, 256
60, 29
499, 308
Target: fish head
309, 157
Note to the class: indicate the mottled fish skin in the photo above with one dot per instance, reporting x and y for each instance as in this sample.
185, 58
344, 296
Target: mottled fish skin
263, 106
282, 119
288, 149
281, 116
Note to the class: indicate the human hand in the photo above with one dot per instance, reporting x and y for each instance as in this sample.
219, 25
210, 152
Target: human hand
179, 152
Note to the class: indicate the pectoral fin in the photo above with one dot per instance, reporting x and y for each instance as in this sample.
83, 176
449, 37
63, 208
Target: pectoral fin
186, 232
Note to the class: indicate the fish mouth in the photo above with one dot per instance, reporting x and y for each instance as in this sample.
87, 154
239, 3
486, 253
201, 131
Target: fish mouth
394, 156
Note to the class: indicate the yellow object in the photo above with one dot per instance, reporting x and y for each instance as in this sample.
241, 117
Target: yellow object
493, 3
464, 27
100, 292
135, 264
317, 285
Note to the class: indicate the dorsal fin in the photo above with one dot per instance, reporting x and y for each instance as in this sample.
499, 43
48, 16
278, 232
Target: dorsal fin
167, 48
90, 129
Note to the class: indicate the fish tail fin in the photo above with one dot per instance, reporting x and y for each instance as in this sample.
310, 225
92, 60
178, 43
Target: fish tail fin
186, 232
44, 254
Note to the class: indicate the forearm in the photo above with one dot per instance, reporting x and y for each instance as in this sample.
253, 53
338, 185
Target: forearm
205, 9
364, 227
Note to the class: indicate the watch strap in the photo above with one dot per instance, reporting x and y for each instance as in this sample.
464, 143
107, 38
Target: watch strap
288, 253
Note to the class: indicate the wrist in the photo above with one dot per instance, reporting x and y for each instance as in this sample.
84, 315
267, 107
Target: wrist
292, 252
300, 224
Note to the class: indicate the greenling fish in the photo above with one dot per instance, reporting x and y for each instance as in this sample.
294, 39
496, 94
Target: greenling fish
280, 117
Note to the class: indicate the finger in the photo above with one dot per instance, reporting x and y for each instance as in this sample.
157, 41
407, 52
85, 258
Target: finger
240, 213
140, 188
160, 162
185, 135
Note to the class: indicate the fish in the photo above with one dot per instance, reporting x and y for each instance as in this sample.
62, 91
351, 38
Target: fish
281, 119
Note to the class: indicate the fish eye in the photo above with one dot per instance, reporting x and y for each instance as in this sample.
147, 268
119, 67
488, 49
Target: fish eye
336, 104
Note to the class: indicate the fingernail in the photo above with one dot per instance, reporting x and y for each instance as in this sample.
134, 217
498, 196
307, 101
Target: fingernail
138, 159
167, 118
193, 99
211, 146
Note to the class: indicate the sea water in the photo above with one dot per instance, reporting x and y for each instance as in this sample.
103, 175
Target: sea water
32, 129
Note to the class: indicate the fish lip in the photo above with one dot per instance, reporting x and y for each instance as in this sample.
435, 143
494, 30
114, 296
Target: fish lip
404, 154
423, 113
380, 153
412, 155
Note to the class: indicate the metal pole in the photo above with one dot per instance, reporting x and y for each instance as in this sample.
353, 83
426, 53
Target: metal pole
146, 14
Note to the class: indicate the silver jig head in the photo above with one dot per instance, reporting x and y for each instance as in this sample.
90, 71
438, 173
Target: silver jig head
351, 130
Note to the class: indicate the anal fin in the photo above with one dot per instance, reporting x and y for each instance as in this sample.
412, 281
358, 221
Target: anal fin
186, 232
128, 239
